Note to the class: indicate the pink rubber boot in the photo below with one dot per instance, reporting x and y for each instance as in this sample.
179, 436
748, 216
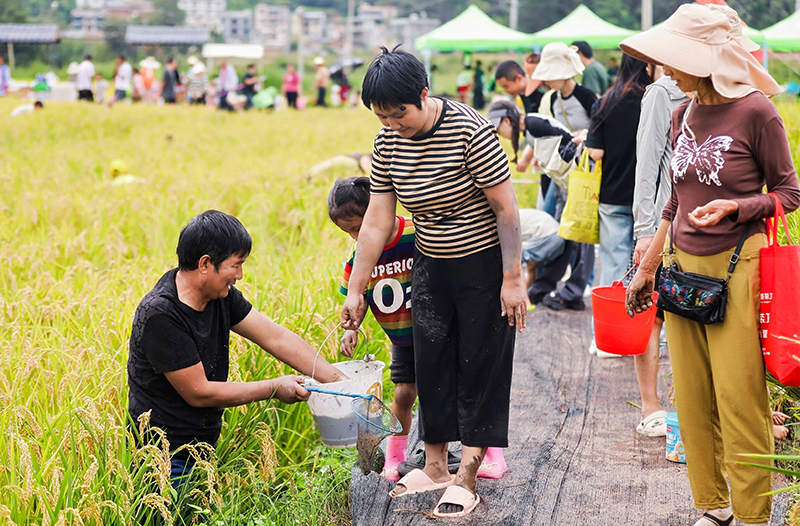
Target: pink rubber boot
396, 446
493, 465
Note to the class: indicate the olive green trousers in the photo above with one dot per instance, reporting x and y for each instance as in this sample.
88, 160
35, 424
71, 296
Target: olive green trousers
720, 390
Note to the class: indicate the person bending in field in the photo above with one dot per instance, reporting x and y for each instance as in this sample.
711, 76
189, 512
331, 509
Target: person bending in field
391, 306
178, 360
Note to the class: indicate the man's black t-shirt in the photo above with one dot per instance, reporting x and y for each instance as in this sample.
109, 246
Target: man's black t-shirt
531, 102
613, 129
168, 335
248, 89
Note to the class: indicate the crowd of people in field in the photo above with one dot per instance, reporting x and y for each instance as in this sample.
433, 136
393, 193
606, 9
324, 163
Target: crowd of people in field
688, 139
192, 83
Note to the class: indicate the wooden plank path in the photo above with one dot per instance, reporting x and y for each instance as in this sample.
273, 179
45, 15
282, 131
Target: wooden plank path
574, 456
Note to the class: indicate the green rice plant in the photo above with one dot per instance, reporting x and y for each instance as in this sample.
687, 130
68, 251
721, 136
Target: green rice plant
78, 253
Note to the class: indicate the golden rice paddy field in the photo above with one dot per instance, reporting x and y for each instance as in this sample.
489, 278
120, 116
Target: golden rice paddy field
76, 255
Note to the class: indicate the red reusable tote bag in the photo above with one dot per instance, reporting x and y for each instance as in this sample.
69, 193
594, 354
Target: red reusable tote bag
780, 303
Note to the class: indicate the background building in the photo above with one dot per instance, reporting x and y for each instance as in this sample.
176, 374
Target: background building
371, 26
204, 13
406, 30
237, 26
89, 16
272, 26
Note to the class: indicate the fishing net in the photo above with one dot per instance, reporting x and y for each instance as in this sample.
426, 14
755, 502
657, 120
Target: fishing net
375, 422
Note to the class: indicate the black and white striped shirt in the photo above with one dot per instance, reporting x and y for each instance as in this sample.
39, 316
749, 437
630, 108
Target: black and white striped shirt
439, 177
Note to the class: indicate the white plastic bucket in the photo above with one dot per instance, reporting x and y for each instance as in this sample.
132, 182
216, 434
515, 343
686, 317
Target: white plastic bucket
335, 419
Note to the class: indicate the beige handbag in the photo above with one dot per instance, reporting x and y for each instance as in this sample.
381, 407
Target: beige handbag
545, 150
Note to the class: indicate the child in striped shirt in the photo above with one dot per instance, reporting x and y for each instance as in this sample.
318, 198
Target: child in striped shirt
389, 298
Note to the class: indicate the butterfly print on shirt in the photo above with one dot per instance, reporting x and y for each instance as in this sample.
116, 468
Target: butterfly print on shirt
706, 158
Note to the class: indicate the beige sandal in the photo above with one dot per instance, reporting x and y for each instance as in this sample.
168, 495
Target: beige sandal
417, 482
459, 496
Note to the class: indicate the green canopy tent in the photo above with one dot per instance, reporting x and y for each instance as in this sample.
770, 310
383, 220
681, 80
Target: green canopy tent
583, 24
473, 31
785, 35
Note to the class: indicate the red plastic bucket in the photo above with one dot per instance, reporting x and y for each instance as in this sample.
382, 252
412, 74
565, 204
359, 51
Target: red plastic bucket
614, 330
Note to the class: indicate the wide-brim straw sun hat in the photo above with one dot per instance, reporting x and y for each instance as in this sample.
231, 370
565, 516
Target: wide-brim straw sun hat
697, 41
558, 62
192, 60
319, 61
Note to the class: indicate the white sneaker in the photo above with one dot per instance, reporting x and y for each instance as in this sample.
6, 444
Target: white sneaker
593, 348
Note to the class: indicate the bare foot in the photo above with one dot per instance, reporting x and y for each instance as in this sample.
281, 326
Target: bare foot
466, 478
780, 432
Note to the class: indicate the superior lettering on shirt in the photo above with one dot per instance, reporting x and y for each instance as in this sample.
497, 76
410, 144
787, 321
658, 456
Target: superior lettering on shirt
395, 267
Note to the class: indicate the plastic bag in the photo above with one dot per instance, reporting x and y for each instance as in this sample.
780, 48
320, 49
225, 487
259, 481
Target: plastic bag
780, 303
580, 221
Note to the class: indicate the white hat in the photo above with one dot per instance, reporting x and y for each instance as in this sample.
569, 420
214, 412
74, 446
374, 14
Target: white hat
319, 61
73, 68
192, 60
150, 63
558, 62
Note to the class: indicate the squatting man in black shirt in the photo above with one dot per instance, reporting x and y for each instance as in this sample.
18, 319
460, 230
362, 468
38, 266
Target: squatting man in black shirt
178, 361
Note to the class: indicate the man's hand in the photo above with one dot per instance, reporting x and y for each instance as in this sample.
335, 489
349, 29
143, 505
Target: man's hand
514, 302
523, 166
712, 213
353, 310
642, 246
349, 342
289, 389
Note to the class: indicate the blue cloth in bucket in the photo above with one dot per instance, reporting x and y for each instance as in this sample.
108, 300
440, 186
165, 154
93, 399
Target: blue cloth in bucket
675, 451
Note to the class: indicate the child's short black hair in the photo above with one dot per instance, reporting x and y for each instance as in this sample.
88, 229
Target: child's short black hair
348, 198
508, 70
394, 78
38, 104
214, 233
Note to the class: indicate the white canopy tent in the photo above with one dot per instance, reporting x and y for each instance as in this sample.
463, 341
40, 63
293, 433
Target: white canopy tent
252, 52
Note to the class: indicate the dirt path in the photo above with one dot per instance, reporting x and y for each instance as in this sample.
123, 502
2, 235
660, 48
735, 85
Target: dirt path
574, 456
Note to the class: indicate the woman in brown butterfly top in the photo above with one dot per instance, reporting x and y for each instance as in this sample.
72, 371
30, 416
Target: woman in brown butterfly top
728, 143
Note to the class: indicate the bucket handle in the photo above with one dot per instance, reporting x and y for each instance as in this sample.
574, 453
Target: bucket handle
337, 393
620, 282
366, 344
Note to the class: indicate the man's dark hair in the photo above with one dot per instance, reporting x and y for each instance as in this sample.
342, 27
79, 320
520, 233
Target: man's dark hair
214, 233
251, 66
121, 56
584, 48
87, 57
170, 59
38, 104
508, 70
394, 78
